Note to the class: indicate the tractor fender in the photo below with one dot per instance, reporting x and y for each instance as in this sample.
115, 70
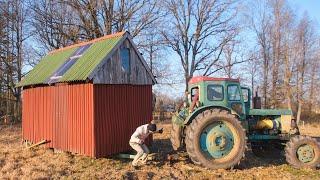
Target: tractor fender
199, 110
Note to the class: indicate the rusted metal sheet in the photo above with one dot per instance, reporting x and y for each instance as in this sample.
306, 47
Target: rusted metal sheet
93, 120
61, 114
119, 110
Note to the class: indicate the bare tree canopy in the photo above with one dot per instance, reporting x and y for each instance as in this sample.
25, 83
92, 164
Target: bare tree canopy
288, 55
13, 33
197, 31
61, 22
266, 43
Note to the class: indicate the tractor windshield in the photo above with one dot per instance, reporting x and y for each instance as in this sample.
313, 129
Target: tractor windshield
215, 92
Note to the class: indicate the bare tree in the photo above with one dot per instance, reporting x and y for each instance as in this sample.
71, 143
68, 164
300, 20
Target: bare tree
53, 24
260, 24
64, 22
305, 35
13, 24
232, 54
153, 48
197, 31
314, 81
288, 55
277, 7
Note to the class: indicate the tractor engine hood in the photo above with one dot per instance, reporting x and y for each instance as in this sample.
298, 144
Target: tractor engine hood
269, 112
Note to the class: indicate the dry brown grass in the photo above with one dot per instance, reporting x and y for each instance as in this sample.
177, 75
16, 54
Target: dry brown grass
17, 162
310, 129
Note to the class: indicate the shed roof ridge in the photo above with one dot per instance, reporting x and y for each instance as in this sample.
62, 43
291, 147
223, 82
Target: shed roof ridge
88, 42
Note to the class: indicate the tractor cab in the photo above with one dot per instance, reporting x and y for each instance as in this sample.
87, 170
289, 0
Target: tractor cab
219, 92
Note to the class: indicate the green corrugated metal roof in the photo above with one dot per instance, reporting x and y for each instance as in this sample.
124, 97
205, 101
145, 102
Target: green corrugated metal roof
90, 59
79, 71
45, 68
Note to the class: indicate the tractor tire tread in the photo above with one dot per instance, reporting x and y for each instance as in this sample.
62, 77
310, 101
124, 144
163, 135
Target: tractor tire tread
293, 144
175, 137
190, 135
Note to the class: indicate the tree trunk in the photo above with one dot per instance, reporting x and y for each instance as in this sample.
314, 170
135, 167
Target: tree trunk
287, 78
265, 78
299, 111
312, 86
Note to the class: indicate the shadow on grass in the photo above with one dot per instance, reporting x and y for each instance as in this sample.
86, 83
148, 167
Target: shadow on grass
251, 161
164, 154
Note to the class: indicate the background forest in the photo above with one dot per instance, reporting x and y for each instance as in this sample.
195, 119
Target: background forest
265, 43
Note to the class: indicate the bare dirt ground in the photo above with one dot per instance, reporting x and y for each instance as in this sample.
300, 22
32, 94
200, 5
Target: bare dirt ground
18, 162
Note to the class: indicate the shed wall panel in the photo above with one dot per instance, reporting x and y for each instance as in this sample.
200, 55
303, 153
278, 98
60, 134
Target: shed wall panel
61, 114
119, 110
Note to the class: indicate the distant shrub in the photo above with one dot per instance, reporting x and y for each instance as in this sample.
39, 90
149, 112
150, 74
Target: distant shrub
310, 117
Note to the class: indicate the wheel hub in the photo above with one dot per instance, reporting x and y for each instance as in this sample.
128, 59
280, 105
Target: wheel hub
220, 141
305, 153
216, 140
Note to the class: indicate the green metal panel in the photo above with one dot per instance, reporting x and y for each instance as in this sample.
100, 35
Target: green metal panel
257, 137
90, 59
269, 112
45, 68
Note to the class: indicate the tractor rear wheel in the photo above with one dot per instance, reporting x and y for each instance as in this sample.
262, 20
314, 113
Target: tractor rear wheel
303, 152
215, 139
176, 137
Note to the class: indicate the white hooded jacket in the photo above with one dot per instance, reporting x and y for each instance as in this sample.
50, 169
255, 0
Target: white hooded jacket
140, 134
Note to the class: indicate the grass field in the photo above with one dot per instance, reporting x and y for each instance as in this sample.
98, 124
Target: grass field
18, 162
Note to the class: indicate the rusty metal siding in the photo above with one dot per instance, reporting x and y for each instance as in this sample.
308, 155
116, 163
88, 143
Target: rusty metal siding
93, 120
37, 114
119, 110
61, 114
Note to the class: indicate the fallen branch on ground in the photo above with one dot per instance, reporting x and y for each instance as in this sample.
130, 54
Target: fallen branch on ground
37, 144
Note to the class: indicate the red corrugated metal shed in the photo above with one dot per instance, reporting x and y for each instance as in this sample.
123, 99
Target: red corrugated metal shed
93, 120
93, 117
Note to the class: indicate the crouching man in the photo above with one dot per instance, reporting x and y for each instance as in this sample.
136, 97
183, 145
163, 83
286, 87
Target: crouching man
137, 142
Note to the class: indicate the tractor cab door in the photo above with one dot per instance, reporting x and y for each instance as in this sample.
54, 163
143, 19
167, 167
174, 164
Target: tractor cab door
235, 99
246, 94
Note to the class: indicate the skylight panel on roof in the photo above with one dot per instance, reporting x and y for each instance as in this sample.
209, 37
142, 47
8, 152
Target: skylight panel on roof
81, 50
68, 64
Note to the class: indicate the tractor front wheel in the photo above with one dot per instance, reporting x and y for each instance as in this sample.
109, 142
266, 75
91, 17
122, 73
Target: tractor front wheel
176, 137
303, 152
215, 139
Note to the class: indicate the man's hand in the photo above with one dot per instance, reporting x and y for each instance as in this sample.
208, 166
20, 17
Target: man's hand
160, 131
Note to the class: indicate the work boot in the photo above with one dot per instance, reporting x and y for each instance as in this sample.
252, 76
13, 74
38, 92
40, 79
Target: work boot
144, 158
134, 164
144, 162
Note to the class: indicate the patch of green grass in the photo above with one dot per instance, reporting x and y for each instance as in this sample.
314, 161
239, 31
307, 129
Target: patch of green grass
314, 174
